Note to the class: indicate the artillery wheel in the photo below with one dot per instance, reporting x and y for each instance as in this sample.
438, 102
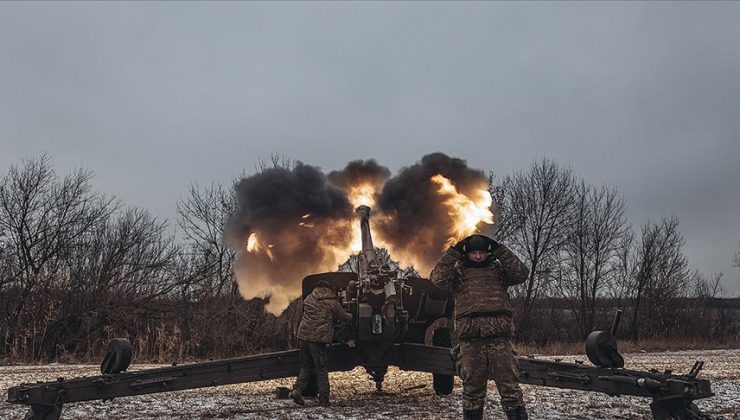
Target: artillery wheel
601, 349
443, 384
312, 389
118, 357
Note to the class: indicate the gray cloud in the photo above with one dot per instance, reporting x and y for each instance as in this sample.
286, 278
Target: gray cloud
643, 96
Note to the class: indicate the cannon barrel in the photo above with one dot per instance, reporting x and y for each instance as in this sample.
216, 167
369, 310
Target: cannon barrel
368, 257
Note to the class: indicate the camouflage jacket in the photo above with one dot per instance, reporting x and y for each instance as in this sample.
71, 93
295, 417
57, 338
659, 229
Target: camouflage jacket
320, 309
482, 304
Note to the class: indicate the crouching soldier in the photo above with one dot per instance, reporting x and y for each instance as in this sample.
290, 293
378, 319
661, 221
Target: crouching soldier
315, 331
478, 270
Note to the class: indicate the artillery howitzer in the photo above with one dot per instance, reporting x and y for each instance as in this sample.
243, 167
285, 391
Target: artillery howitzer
392, 319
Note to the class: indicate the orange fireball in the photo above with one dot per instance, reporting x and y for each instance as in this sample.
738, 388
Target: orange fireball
254, 246
467, 213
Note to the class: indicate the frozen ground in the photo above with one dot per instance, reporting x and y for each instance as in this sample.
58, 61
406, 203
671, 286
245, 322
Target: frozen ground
353, 395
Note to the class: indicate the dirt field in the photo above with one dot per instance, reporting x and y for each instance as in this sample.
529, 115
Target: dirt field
353, 395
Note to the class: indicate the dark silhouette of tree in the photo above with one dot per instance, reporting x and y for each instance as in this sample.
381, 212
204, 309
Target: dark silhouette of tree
122, 263
661, 275
536, 211
41, 215
202, 217
591, 254
77, 268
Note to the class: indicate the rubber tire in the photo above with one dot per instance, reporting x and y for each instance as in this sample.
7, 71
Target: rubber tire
601, 349
443, 384
118, 357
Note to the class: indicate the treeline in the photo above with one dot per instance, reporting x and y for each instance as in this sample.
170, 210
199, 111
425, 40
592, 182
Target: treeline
583, 253
77, 268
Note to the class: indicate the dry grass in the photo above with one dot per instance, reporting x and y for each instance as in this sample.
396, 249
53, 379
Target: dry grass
626, 346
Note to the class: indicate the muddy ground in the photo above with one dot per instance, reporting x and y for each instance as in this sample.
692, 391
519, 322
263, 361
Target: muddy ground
407, 395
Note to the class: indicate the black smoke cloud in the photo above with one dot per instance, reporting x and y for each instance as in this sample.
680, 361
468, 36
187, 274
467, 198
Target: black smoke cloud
416, 223
304, 219
275, 196
360, 171
299, 217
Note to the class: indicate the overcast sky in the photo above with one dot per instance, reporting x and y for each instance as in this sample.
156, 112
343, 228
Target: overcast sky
155, 96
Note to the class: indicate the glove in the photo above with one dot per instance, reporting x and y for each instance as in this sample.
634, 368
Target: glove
494, 244
459, 247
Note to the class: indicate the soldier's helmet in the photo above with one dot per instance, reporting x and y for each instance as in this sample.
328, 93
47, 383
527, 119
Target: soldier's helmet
323, 283
478, 243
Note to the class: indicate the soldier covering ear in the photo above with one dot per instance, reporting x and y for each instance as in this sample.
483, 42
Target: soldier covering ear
478, 270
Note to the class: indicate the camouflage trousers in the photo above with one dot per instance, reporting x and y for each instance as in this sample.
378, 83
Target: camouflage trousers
484, 358
312, 357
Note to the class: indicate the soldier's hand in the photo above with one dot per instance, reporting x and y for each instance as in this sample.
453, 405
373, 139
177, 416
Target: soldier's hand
494, 244
459, 247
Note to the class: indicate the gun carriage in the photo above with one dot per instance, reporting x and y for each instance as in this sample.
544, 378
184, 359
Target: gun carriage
394, 318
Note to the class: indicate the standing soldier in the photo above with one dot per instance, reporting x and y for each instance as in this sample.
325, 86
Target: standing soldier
315, 331
478, 270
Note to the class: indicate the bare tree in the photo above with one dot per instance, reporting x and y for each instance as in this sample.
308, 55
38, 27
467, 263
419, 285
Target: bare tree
736, 258
619, 288
504, 223
661, 274
6, 261
134, 257
41, 215
536, 211
120, 264
591, 255
202, 217
276, 161
707, 288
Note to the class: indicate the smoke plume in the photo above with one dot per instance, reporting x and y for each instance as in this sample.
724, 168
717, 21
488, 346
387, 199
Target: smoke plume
417, 224
289, 223
292, 222
359, 175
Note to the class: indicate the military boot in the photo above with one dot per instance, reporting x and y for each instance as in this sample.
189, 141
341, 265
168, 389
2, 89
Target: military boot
323, 399
473, 414
517, 413
297, 397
